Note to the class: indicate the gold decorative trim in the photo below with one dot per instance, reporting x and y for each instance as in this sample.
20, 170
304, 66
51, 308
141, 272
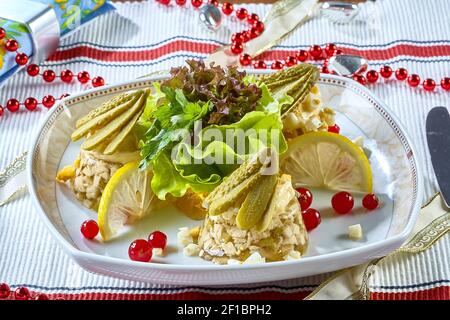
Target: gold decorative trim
326, 282
22, 190
427, 236
13, 169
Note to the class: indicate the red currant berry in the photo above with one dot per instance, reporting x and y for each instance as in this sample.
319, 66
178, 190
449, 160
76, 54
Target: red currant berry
33, 70
330, 49
4, 291
157, 239
12, 105
180, 2
429, 84
401, 74
31, 103
259, 64
227, 8
21, 293
252, 18
241, 13
334, 128
315, 51
302, 55
140, 250
66, 76
370, 201
305, 198
197, 3
214, 2
342, 202
372, 76
2, 33
49, 75
359, 78
21, 59
386, 72
311, 218
245, 59
41, 296
89, 229
238, 37
48, 101
236, 48
164, 2
83, 77
445, 83
98, 82
11, 45
258, 26
291, 61
2, 111
413, 80
277, 65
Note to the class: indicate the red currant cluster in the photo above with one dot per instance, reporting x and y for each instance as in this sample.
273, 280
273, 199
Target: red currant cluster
20, 293
342, 203
33, 70
139, 250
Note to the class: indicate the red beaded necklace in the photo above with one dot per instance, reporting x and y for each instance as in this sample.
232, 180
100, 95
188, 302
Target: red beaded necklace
315, 52
33, 70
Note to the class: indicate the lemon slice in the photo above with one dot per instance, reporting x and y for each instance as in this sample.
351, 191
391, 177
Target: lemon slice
127, 198
327, 160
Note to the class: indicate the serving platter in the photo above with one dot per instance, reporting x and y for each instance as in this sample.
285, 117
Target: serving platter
359, 114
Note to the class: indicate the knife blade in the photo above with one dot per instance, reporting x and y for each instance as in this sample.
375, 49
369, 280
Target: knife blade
438, 137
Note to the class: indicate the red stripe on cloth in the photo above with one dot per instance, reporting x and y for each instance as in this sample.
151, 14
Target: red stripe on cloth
438, 293
206, 48
135, 55
266, 295
378, 54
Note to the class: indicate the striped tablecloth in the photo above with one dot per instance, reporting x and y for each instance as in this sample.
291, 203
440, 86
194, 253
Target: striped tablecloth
144, 37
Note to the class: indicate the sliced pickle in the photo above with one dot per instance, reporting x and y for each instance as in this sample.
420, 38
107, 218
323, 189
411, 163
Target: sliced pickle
120, 137
114, 126
279, 201
114, 102
295, 81
105, 118
256, 202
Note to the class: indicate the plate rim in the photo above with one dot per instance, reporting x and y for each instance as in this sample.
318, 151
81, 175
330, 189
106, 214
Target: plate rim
377, 246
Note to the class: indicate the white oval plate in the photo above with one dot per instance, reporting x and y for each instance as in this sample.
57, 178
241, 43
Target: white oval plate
396, 179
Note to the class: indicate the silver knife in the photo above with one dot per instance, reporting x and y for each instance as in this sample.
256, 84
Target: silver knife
438, 137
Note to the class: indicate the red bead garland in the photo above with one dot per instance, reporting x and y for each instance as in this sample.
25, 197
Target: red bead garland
302, 55
48, 101
83, 76
33, 70
21, 59
66, 76
227, 8
386, 72
401, 74
277, 65
196, 3
413, 80
241, 13
13, 105
291, 61
21, 293
180, 2
245, 59
11, 45
49, 75
445, 83
372, 76
31, 103
429, 84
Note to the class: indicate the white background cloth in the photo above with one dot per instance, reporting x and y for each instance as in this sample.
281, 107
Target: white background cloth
28, 254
